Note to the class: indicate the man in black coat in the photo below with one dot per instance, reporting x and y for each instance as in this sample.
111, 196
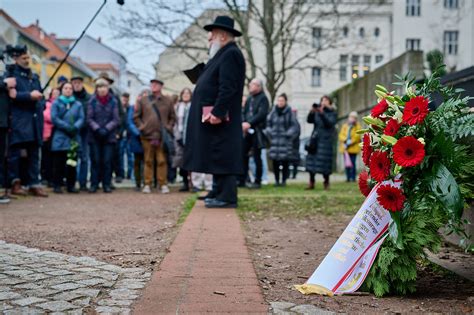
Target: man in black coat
214, 136
83, 97
26, 136
7, 92
254, 122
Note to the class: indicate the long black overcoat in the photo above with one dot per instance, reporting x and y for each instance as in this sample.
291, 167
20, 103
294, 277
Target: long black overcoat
216, 149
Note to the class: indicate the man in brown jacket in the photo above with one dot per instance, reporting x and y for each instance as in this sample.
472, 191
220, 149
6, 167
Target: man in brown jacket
150, 113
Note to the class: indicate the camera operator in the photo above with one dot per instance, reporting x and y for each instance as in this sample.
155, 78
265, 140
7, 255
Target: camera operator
7, 92
320, 147
26, 124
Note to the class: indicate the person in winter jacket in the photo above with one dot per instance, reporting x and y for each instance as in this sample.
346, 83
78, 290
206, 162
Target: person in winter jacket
282, 130
102, 119
46, 158
68, 118
324, 118
134, 142
349, 141
83, 97
182, 115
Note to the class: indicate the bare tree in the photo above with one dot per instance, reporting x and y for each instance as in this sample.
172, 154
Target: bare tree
284, 29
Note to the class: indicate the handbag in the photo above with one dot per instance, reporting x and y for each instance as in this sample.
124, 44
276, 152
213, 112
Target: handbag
347, 160
312, 145
166, 137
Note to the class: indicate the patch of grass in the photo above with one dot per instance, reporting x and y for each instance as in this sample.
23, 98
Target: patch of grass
294, 201
188, 206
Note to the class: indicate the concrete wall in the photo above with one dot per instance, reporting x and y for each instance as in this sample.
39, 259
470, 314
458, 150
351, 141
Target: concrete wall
359, 95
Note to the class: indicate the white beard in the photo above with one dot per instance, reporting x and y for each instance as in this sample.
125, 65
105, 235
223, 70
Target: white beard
215, 46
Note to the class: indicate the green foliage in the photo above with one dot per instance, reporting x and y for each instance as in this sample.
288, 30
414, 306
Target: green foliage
438, 189
435, 59
188, 206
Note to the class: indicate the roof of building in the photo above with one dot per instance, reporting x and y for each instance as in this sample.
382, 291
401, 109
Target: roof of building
54, 48
103, 67
21, 30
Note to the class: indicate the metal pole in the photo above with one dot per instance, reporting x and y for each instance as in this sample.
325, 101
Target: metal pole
75, 43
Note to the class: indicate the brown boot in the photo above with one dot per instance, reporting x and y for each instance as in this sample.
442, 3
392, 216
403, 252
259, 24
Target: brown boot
37, 192
326, 185
16, 188
310, 186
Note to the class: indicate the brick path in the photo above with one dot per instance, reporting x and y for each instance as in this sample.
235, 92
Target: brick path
35, 282
208, 269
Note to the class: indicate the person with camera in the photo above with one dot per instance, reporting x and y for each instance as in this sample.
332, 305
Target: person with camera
7, 92
81, 95
320, 146
282, 130
26, 125
254, 115
103, 120
68, 118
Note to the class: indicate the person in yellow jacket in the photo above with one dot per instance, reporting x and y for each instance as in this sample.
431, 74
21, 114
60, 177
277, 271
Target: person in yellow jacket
349, 145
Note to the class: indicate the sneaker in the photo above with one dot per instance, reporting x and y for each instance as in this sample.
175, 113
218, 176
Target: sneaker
264, 182
4, 200
146, 189
165, 189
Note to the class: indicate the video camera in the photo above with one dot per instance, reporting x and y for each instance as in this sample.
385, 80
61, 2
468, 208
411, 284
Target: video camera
316, 105
13, 51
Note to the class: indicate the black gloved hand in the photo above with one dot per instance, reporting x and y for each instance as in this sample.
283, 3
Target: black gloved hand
72, 131
102, 132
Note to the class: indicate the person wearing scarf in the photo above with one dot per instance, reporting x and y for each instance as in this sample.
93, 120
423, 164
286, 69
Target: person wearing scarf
102, 120
67, 116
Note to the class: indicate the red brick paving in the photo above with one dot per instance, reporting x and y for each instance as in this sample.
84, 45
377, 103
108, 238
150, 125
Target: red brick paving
209, 255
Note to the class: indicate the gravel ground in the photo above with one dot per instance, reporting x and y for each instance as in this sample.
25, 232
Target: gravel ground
125, 228
286, 252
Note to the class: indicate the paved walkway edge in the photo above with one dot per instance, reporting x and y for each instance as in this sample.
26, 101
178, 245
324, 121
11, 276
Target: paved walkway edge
208, 270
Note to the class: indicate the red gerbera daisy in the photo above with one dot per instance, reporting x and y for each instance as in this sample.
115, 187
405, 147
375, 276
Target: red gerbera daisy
391, 198
415, 110
364, 183
379, 109
392, 127
366, 149
408, 152
379, 166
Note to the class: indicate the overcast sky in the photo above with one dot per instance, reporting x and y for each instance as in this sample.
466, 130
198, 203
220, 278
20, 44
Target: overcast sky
67, 18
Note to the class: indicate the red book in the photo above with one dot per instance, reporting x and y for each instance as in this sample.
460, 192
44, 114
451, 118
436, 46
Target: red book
206, 110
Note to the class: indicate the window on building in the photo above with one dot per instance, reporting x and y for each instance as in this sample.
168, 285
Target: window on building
316, 37
413, 7
377, 32
361, 32
129, 83
450, 42
366, 67
413, 44
345, 31
451, 4
343, 67
378, 58
316, 76
355, 66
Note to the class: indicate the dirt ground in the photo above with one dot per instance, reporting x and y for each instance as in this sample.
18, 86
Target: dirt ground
124, 228
287, 252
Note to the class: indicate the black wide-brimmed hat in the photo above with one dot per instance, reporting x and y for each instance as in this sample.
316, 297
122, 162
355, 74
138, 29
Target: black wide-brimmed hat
225, 23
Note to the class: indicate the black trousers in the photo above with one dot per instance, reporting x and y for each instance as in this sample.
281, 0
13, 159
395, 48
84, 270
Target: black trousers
46, 162
250, 143
61, 170
225, 188
3, 157
284, 172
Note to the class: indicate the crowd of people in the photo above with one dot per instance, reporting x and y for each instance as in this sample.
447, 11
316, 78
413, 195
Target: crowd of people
68, 139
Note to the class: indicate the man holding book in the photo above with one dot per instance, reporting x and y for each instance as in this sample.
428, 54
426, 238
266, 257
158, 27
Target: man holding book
214, 133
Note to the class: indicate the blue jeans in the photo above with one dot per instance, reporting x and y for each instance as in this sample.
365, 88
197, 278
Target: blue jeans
31, 149
83, 165
125, 151
351, 172
101, 163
